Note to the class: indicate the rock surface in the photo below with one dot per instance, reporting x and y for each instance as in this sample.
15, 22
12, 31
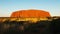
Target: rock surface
30, 13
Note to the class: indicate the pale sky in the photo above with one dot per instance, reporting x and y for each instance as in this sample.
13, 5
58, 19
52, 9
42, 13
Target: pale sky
9, 6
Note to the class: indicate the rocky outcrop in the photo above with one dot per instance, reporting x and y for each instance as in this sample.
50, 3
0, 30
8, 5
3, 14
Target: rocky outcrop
30, 13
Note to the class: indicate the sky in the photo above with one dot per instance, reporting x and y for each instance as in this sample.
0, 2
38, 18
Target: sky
9, 6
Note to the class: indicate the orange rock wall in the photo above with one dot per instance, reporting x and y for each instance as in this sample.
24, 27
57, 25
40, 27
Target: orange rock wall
30, 13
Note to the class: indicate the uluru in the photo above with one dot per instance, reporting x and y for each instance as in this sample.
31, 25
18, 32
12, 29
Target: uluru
30, 13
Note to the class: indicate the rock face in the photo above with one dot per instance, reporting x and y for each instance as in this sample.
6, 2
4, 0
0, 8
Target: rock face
30, 13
